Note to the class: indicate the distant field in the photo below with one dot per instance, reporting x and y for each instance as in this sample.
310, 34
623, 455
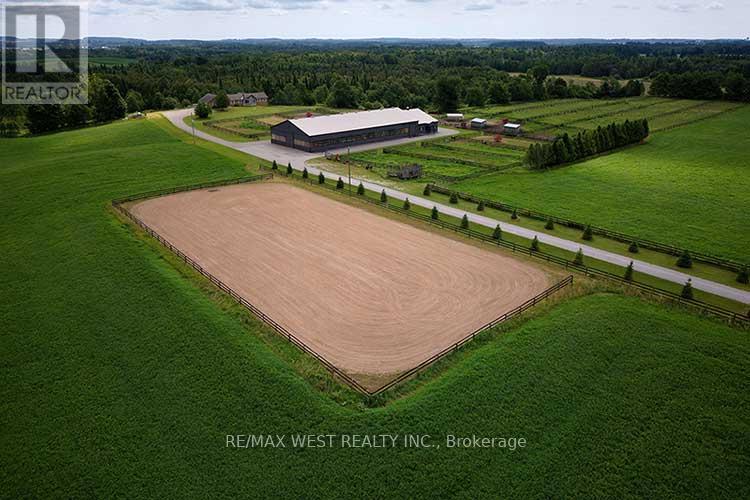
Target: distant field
555, 117
111, 60
686, 186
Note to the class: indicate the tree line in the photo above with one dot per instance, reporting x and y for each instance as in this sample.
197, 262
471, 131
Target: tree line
695, 85
565, 149
105, 104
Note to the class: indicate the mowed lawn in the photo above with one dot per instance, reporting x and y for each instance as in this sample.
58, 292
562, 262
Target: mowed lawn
687, 186
121, 377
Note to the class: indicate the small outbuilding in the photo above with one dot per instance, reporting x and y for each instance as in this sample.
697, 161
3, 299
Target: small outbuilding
454, 117
512, 129
478, 123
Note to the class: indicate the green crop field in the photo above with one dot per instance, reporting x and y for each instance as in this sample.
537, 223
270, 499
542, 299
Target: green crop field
122, 373
686, 186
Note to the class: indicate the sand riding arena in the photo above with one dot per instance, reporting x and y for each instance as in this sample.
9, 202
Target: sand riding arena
372, 295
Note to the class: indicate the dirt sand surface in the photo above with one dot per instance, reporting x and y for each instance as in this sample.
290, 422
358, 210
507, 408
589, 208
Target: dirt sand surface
372, 295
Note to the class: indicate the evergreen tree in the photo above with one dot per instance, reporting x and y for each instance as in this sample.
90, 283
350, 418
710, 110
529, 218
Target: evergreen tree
305, 174
550, 225
289, 169
633, 248
383, 197
361, 189
274, 165
629, 272
743, 276
535, 244
454, 198
514, 215
321, 178
497, 234
435, 214
465, 222
685, 261
588, 234
480, 206
407, 204
340, 184
687, 290
578, 260
427, 190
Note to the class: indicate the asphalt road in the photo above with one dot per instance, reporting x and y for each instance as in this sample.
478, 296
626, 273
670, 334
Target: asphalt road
299, 159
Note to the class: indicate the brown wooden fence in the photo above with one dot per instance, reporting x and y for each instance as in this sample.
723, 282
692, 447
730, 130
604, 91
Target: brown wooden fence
119, 205
614, 235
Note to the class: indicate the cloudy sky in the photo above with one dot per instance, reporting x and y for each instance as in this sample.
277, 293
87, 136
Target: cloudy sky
216, 19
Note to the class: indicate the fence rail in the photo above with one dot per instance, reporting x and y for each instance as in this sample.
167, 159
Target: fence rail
457, 345
119, 205
614, 235
704, 307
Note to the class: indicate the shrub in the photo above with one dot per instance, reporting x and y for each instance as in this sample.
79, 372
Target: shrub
480, 207
361, 189
497, 234
383, 197
305, 175
685, 261
687, 290
454, 198
427, 190
202, 110
274, 166
629, 272
339, 184
407, 204
578, 260
744, 276
435, 214
549, 225
514, 215
321, 178
465, 222
633, 248
289, 169
535, 244
588, 234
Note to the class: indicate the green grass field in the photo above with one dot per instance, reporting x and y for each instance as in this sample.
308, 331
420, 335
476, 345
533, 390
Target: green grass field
123, 373
687, 186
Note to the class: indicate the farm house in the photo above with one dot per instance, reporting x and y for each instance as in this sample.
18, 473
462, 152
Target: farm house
321, 133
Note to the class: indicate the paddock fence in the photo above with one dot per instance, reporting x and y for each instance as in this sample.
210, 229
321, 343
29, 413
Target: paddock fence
119, 206
607, 233
702, 307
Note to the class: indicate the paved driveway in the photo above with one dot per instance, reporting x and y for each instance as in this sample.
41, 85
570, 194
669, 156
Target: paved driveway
299, 159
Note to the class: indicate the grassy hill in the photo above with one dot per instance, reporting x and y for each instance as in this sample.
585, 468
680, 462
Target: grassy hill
121, 376
687, 186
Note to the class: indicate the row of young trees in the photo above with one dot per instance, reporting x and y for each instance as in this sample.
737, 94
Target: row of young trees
565, 149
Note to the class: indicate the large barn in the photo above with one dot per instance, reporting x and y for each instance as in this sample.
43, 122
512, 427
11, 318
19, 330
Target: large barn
321, 133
